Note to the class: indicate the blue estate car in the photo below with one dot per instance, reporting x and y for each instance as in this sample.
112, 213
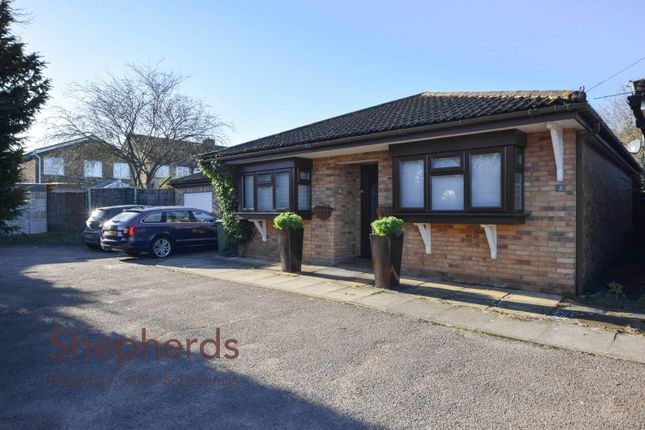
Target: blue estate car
159, 230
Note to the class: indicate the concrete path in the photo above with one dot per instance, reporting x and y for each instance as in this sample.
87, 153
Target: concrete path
533, 317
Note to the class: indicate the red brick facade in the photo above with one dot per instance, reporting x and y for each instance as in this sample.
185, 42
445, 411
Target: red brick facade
537, 255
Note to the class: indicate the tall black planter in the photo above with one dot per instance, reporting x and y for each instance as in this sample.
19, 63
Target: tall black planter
386, 260
290, 246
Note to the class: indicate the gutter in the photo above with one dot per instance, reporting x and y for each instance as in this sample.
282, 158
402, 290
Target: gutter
40, 167
531, 113
590, 131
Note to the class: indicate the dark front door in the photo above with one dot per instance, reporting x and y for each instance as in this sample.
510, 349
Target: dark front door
369, 203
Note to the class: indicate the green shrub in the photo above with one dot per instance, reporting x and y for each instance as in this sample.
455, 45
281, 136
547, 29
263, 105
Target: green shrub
388, 226
287, 221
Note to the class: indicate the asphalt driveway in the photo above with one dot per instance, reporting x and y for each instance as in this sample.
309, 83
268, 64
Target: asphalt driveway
303, 363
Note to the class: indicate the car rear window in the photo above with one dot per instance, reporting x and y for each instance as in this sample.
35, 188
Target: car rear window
124, 217
153, 217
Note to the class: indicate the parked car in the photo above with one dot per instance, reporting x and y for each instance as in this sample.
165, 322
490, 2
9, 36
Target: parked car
92, 232
159, 230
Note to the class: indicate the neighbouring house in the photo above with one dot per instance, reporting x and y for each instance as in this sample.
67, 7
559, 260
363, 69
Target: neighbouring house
87, 162
524, 189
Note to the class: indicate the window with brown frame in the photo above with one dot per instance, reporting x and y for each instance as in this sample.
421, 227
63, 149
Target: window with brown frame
276, 187
483, 180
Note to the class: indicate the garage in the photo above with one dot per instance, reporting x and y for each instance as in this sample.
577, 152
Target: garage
199, 200
195, 191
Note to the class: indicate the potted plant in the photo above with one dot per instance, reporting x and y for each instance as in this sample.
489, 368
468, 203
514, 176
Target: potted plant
290, 236
387, 248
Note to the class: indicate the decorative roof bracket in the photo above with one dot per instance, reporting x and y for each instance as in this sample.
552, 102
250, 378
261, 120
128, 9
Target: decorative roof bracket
491, 236
261, 225
557, 140
426, 234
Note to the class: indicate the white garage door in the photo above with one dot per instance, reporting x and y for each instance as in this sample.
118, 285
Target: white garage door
199, 201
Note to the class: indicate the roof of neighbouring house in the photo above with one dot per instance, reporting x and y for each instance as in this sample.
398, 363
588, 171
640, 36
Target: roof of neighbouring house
29, 155
190, 180
424, 109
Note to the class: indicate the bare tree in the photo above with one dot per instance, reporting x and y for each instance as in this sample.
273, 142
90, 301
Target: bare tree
620, 118
143, 118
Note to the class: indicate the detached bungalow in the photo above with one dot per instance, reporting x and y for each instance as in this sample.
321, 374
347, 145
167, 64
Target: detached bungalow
525, 189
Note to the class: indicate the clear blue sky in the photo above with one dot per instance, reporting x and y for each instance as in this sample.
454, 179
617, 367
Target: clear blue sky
269, 66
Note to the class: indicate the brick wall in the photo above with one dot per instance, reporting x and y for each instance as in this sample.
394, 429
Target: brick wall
28, 171
607, 205
336, 183
537, 255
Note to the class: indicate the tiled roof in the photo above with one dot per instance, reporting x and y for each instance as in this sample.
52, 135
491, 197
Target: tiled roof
196, 178
415, 111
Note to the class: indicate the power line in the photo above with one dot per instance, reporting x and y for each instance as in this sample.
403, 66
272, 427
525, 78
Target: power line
612, 95
616, 74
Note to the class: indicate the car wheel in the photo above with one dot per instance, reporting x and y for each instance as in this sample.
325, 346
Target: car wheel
161, 247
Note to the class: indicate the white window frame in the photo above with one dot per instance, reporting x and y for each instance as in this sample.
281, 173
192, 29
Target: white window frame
92, 169
121, 167
54, 166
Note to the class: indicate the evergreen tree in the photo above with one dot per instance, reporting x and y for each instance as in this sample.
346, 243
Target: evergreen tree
23, 90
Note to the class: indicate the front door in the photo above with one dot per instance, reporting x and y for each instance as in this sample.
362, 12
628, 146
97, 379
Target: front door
369, 203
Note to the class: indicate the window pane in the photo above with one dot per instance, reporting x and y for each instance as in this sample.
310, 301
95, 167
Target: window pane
305, 175
439, 163
448, 193
121, 171
265, 198
304, 197
162, 172
264, 178
519, 191
248, 192
411, 188
181, 171
202, 216
486, 180
282, 190
152, 218
53, 166
178, 216
93, 169
124, 217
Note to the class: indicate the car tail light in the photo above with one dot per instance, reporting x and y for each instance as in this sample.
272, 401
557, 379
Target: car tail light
129, 231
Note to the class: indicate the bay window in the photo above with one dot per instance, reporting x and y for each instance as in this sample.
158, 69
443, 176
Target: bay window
476, 178
277, 186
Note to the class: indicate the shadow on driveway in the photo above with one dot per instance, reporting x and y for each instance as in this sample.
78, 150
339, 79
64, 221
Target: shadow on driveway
41, 392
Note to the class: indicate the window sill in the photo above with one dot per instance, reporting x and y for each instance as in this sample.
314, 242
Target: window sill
466, 218
249, 215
